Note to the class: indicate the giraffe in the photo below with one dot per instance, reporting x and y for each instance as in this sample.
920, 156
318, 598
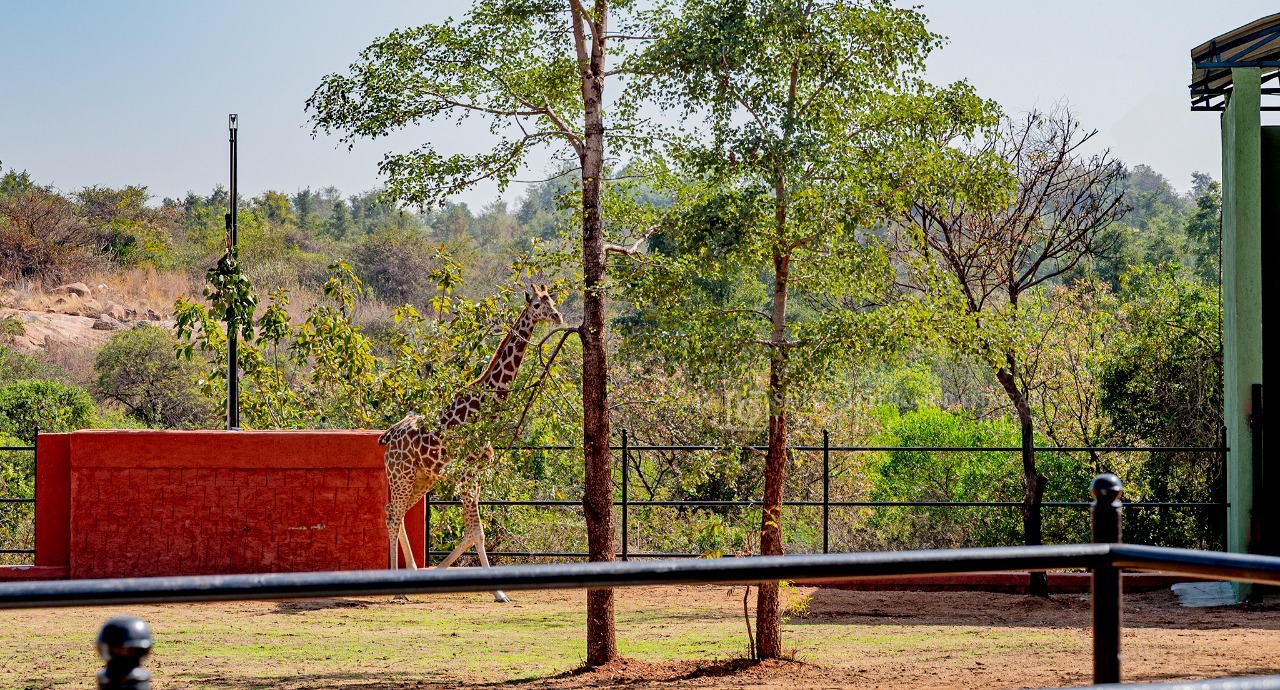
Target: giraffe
416, 456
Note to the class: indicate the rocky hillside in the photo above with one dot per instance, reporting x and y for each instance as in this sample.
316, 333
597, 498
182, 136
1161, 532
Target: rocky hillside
75, 314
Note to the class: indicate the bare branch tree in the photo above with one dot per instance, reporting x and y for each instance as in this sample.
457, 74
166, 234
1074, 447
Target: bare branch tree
994, 253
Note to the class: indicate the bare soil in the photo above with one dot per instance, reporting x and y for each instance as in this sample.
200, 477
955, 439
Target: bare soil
675, 637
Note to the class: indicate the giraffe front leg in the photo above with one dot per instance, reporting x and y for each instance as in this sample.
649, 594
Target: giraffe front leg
406, 548
468, 490
498, 595
474, 527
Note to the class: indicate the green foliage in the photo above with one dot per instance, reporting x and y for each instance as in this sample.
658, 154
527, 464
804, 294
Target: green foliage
136, 368
966, 476
16, 365
326, 372
49, 405
129, 233
1161, 384
801, 125
1204, 228
10, 328
17, 480
510, 63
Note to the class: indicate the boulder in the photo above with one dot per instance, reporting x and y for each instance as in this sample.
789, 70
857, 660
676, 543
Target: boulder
91, 308
116, 312
106, 323
152, 315
77, 289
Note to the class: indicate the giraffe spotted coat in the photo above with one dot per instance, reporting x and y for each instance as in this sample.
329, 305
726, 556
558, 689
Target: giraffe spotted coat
418, 452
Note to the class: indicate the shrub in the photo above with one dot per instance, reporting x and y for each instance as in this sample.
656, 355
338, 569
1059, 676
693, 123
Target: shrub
49, 405
17, 366
10, 329
138, 369
911, 475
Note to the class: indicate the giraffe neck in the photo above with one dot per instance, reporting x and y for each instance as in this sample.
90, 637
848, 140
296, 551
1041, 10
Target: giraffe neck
506, 360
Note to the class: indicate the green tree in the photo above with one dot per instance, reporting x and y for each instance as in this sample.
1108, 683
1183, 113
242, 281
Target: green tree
128, 232
913, 475
535, 71
1160, 381
1204, 228
340, 223
16, 365
136, 368
817, 126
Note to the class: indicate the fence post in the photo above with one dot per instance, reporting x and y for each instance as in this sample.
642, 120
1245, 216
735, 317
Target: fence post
35, 493
123, 643
426, 526
826, 491
626, 474
1107, 597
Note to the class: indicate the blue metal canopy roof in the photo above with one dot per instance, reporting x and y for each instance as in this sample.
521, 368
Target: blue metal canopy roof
1256, 44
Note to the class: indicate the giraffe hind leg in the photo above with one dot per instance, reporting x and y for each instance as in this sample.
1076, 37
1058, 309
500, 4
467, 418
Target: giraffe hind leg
394, 524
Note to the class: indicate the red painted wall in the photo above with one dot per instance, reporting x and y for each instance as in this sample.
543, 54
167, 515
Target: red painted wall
53, 500
150, 503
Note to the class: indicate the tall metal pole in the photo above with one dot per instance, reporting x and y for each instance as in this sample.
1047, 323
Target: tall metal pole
233, 375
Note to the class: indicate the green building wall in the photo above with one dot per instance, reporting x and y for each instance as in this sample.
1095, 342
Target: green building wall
1242, 218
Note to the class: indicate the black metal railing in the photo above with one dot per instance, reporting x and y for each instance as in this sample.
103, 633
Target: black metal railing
628, 452
7, 502
1105, 558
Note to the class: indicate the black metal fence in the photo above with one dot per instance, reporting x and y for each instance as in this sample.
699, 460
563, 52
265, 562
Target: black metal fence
1105, 558
628, 455
12, 527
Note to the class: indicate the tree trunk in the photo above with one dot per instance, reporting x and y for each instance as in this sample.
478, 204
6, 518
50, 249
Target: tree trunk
1033, 482
597, 496
768, 615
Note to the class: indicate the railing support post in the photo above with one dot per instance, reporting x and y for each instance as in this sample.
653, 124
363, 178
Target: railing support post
123, 643
1107, 597
426, 527
826, 491
626, 474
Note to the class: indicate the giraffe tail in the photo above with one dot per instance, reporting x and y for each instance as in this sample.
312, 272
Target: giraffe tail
385, 437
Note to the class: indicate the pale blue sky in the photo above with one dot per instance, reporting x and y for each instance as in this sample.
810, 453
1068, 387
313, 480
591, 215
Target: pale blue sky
137, 92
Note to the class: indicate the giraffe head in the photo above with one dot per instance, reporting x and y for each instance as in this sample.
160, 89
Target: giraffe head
541, 307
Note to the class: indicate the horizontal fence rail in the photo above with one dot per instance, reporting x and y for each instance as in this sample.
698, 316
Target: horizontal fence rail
155, 590
624, 502
845, 566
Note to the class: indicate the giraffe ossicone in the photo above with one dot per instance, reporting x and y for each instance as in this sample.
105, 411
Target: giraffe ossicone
418, 452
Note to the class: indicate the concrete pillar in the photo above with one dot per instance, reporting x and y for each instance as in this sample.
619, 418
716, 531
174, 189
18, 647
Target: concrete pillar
1242, 294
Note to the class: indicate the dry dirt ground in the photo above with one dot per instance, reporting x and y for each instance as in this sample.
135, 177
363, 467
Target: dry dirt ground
676, 637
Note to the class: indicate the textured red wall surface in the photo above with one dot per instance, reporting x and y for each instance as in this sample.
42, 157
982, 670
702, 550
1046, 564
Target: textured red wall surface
150, 503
